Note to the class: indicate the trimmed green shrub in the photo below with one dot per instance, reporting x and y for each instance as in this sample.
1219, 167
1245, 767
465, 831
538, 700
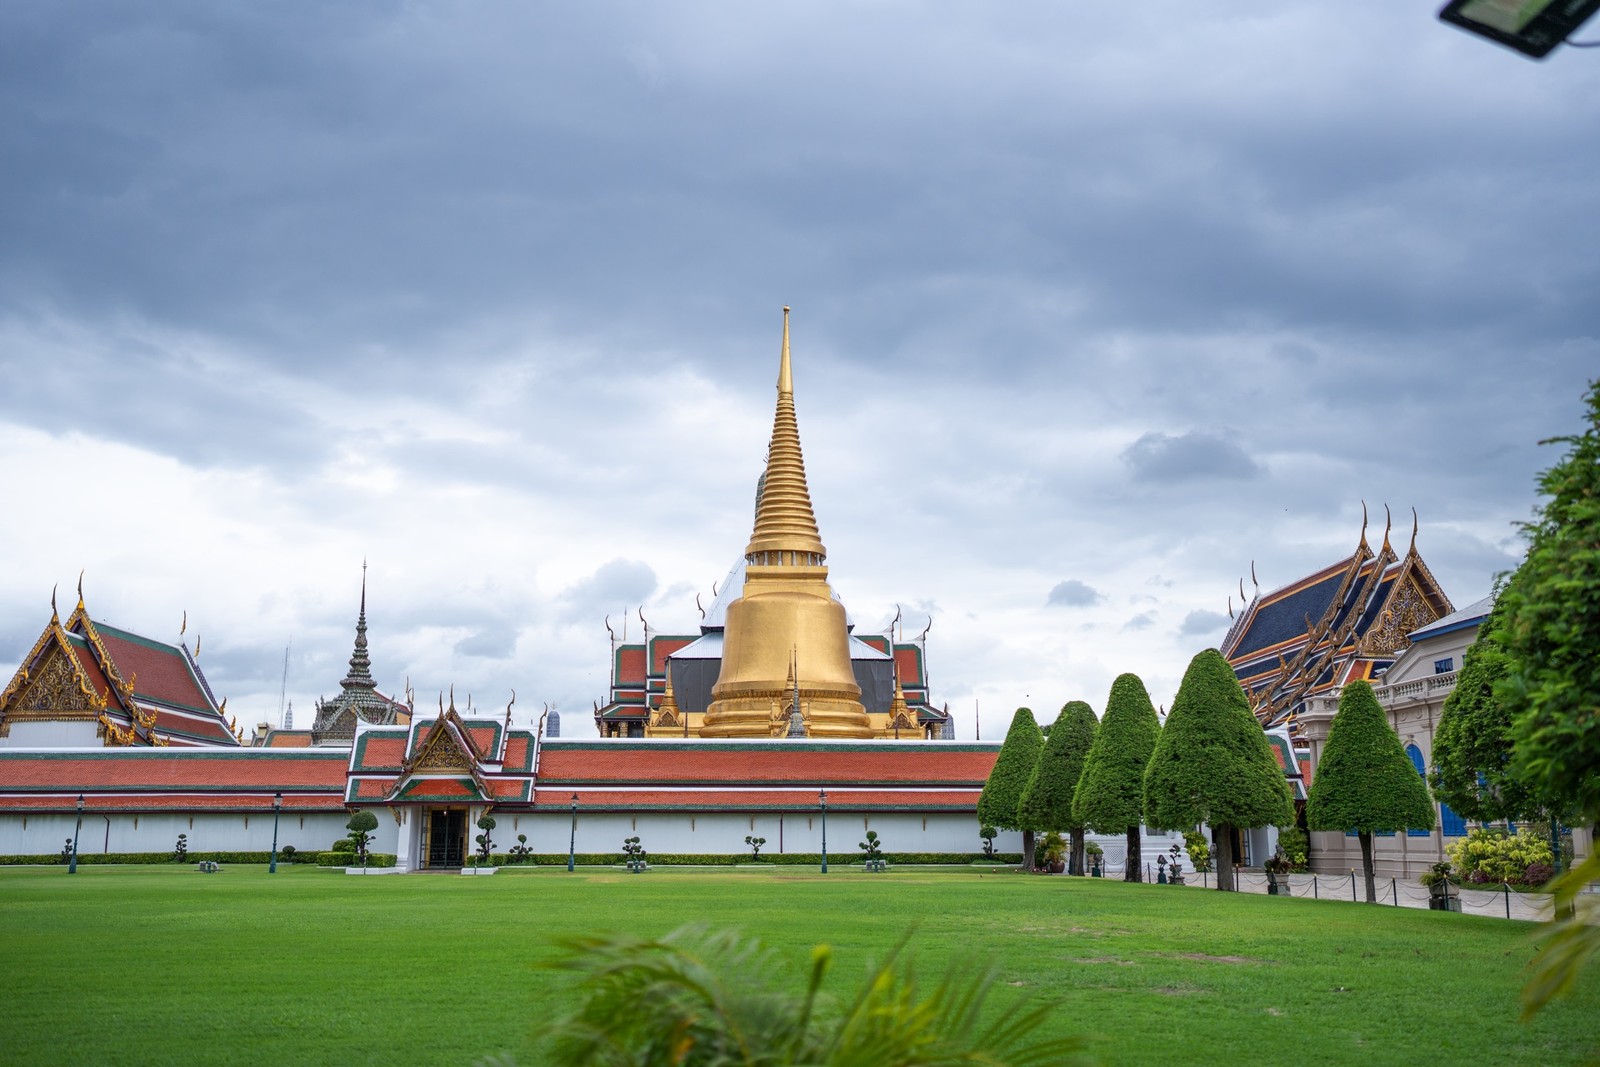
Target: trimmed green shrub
344, 844
1046, 803
1212, 764
1110, 794
1364, 781
350, 859
1296, 848
1490, 856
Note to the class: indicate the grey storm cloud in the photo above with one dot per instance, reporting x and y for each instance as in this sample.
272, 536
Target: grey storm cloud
1073, 594
1194, 456
616, 585
1203, 624
282, 284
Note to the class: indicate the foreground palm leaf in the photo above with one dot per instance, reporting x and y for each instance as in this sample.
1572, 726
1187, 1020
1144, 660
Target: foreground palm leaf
699, 998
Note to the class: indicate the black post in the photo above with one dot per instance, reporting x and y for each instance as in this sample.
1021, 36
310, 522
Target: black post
277, 805
822, 798
72, 865
572, 843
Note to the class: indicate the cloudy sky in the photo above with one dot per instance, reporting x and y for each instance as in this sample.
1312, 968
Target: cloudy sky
1094, 304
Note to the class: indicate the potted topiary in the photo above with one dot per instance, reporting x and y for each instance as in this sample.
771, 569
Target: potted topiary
1442, 894
1054, 850
1277, 868
1096, 856
872, 852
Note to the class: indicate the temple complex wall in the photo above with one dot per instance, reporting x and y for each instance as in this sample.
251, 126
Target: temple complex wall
45, 833
723, 833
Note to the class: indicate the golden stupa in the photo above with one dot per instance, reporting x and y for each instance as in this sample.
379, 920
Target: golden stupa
786, 641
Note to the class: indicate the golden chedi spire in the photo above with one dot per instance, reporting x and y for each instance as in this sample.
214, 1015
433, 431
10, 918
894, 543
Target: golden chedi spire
786, 618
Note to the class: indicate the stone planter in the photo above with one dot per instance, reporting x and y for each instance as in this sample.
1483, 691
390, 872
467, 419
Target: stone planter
1443, 897
1057, 866
1277, 885
877, 865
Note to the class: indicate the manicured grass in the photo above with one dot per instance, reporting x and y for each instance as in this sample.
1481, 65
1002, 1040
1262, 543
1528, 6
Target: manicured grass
163, 964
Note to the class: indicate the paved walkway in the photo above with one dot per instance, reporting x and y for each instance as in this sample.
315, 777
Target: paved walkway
1497, 902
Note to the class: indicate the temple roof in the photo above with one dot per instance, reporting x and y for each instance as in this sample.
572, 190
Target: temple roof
143, 779
1344, 622
139, 690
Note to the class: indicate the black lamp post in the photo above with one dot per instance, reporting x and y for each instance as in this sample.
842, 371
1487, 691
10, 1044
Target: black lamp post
572, 843
72, 865
277, 806
822, 798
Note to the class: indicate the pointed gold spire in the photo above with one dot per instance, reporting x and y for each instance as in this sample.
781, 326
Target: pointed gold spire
786, 638
786, 528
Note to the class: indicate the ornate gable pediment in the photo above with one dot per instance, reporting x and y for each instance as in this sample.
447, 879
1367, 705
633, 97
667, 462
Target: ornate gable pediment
444, 749
50, 685
1407, 609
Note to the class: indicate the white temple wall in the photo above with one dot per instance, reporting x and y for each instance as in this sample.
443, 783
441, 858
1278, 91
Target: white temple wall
723, 833
102, 832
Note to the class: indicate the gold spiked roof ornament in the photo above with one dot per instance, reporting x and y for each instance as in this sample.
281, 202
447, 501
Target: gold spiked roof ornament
785, 531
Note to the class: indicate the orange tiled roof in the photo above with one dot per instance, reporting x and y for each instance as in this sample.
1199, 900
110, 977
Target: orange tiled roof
663, 761
797, 800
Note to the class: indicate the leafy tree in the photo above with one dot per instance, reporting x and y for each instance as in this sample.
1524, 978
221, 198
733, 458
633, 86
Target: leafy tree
755, 844
1047, 800
872, 847
1552, 690
1002, 793
1365, 782
1472, 743
1551, 629
697, 999
1109, 798
361, 825
1212, 764
987, 835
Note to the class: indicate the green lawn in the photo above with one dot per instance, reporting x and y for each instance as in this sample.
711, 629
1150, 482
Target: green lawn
161, 965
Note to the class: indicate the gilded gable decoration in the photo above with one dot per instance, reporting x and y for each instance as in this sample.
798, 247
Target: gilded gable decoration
1349, 620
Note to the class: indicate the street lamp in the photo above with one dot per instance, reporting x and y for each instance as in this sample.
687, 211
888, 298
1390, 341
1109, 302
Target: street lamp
72, 866
572, 843
822, 798
277, 805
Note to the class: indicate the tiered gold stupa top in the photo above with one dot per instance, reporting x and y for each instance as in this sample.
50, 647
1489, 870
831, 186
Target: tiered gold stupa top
786, 616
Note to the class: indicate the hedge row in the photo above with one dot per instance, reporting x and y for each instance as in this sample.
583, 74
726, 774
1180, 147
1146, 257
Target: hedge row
144, 858
339, 859
348, 859
793, 859
547, 859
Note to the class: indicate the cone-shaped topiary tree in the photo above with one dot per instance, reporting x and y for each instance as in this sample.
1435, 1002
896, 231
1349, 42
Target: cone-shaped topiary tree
1213, 764
1109, 798
1365, 782
1002, 793
1047, 801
